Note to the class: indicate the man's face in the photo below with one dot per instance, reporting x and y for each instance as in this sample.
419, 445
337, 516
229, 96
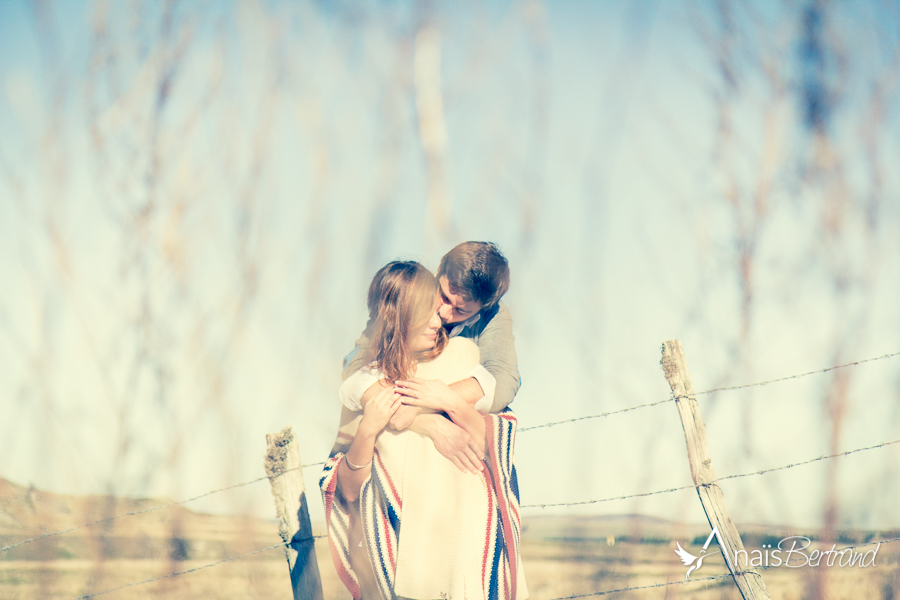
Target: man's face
454, 307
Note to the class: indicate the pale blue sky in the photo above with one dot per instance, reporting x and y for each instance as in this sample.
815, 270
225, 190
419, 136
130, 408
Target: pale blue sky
179, 282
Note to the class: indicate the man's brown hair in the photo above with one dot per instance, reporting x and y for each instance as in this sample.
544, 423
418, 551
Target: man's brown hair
478, 271
401, 301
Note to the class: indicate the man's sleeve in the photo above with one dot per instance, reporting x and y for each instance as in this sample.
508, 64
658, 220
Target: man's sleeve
488, 386
498, 356
353, 388
353, 362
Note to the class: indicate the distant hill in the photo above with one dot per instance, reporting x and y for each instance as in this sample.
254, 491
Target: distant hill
173, 531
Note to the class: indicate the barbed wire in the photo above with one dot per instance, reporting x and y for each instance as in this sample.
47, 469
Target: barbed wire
718, 479
797, 376
710, 391
713, 577
150, 509
195, 569
812, 460
642, 587
606, 414
152, 579
872, 543
597, 501
572, 597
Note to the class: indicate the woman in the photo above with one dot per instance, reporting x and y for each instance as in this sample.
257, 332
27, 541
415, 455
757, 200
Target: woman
460, 532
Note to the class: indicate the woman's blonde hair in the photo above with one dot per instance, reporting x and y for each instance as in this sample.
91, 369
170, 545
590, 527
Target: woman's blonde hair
401, 301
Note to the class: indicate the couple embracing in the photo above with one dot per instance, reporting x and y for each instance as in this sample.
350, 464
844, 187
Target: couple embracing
421, 498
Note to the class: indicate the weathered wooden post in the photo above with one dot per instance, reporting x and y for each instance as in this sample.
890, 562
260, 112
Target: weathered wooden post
749, 582
282, 464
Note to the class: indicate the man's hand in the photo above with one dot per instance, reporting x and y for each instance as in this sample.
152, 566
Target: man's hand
456, 445
427, 393
404, 417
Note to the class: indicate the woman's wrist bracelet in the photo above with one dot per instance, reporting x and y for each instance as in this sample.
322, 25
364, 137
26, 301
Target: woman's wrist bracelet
353, 467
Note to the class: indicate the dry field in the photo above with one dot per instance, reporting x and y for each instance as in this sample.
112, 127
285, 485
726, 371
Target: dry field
554, 569
563, 556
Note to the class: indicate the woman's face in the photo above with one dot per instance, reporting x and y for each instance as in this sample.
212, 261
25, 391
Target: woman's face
424, 338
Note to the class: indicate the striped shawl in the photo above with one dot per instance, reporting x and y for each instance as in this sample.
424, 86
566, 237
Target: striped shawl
374, 522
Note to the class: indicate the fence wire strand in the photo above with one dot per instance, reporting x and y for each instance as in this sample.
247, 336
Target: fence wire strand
195, 569
573, 597
797, 376
606, 414
812, 460
178, 573
713, 577
718, 479
642, 587
149, 509
872, 543
711, 391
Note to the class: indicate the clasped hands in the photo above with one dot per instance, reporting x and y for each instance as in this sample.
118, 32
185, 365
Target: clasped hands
420, 396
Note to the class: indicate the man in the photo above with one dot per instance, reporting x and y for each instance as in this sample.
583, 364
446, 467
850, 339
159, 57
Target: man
473, 277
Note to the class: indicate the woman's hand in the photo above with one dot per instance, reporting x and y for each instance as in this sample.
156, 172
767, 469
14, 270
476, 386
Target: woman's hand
428, 393
379, 410
353, 471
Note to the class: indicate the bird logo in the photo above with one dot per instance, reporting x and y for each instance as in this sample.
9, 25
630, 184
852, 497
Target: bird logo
687, 558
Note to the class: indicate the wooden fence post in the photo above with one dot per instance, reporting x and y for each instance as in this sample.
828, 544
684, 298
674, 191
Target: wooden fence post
282, 464
749, 582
